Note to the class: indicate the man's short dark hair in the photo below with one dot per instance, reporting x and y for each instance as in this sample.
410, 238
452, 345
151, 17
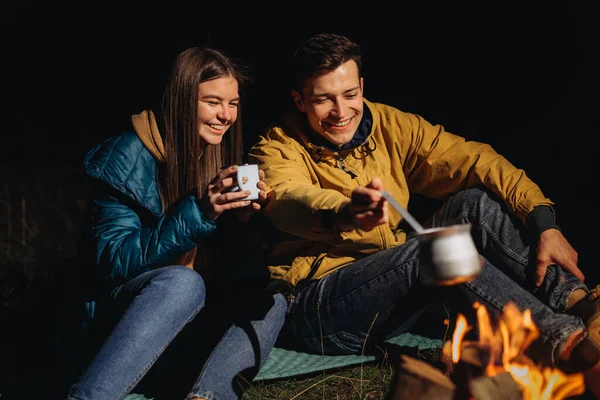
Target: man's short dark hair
320, 54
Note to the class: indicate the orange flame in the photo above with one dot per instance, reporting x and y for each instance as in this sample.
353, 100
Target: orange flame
507, 343
459, 333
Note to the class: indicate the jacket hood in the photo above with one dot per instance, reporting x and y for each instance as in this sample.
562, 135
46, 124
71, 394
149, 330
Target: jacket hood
146, 128
129, 162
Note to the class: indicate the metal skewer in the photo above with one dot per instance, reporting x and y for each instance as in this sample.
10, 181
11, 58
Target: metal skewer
409, 218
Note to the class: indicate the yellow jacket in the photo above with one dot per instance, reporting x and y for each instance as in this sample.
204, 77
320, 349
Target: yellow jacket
308, 182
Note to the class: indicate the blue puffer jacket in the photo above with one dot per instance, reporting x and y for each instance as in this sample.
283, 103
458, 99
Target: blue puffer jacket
127, 232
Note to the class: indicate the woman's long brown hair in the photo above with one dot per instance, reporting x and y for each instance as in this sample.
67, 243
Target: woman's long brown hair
189, 167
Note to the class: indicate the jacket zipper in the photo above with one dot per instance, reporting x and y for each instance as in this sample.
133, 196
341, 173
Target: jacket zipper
343, 164
291, 300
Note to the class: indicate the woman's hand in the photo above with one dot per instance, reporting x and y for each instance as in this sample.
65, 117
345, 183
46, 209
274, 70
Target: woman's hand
245, 213
219, 198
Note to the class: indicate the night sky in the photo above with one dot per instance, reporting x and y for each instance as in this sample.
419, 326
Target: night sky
521, 79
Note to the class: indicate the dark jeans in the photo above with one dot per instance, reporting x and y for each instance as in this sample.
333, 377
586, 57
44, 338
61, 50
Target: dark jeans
374, 296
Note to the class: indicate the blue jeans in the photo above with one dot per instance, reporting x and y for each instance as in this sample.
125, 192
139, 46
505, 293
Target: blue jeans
146, 314
371, 297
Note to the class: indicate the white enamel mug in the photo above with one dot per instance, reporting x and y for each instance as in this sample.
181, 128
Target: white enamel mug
247, 179
447, 255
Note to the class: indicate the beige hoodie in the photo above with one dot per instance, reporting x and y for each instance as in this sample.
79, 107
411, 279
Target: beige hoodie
146, 128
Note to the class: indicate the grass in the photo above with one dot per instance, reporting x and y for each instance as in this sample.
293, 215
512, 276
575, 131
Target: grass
364, 382
369, 381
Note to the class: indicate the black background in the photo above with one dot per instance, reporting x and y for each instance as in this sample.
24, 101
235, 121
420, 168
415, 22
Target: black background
523, 79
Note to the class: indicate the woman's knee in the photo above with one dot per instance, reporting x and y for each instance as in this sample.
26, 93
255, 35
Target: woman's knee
183, 284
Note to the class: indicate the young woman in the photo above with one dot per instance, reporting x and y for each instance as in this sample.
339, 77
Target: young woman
160, 195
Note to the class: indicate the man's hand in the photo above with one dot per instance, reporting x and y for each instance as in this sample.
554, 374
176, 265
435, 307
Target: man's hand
366, 208
553, 248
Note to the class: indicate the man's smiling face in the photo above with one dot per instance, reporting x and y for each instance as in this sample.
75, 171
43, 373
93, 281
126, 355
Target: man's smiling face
333, 103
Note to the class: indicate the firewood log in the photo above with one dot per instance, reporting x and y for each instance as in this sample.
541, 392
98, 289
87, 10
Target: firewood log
416, 380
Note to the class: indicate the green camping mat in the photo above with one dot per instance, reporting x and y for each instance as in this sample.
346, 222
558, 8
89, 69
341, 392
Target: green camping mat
284, 363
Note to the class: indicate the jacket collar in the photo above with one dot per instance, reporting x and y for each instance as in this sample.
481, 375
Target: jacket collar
360, 136
296, 124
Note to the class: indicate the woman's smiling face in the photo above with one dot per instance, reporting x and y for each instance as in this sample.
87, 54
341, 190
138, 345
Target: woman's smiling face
218, 102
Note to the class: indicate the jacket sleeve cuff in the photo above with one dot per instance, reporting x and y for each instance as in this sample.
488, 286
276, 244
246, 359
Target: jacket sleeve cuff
540, 219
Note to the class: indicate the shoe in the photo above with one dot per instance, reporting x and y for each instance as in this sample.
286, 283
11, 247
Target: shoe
593, 326
588, 309
584, 356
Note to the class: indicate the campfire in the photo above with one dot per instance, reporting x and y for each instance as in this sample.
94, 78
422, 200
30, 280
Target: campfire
495, 366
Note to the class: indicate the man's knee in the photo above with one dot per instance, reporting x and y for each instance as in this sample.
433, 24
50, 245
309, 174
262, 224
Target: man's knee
473, 195
477, 199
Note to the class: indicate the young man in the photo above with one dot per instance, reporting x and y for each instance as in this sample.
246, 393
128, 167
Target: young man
351, 271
